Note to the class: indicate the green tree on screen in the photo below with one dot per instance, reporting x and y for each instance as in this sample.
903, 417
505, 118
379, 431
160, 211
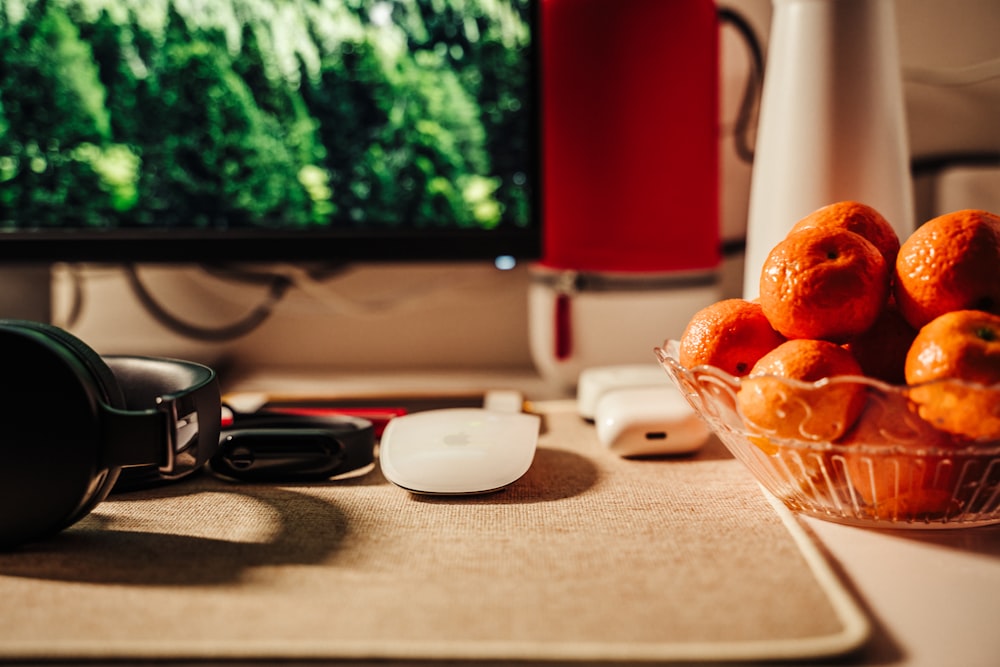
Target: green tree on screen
55, 124
256, 112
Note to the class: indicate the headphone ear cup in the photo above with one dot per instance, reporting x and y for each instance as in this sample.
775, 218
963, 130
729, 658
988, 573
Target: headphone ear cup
100, 372
53, 469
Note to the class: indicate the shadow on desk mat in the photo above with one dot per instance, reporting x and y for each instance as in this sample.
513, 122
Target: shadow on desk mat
588, 557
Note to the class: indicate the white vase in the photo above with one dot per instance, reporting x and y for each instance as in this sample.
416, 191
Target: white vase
832, 121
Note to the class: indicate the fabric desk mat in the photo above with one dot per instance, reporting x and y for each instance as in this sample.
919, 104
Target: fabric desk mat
587, 558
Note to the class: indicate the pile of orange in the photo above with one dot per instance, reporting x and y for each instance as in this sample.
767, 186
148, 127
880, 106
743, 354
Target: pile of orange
840, 295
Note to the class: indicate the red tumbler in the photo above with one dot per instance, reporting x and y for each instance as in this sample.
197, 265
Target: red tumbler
630, 184
630, 124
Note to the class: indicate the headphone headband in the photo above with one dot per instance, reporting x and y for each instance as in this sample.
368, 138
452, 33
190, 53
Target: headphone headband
177, 403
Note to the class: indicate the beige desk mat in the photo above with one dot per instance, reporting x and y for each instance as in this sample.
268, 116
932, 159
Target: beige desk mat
587, 558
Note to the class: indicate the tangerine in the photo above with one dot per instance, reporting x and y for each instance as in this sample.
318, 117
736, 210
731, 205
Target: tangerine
951, 262
793, 392
731, 335
823, 283
859, 218
953, 368
912, 480
881, 350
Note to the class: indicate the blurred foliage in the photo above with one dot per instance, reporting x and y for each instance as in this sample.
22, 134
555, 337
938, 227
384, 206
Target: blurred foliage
240, 113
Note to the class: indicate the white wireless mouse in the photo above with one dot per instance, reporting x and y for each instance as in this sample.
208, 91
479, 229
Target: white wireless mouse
458, 450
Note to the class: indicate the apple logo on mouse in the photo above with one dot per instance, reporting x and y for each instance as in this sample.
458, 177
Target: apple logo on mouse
457, 439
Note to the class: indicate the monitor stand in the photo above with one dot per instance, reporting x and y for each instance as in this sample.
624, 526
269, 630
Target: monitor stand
26, 292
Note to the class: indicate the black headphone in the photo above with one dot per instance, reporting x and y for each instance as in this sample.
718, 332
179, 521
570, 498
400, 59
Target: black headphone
74, 425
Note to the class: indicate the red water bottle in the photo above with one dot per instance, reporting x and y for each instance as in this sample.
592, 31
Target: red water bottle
630, 124
630, 184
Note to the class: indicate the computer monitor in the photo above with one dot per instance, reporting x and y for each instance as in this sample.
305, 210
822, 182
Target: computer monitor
268, 130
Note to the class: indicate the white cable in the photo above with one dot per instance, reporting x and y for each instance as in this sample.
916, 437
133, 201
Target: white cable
969, 75
410, 294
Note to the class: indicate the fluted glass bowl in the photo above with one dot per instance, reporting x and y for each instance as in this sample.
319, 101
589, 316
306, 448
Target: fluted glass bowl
892, 469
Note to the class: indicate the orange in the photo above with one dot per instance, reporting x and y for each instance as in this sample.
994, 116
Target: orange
881, 350
949, 263
859, 218
731, 335
953, 368
909, 481
791, 392
824, 283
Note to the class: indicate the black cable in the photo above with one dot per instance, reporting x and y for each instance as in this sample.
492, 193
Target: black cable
319, 272
755, 81
77, 299
277, 285
741, 130
932, 164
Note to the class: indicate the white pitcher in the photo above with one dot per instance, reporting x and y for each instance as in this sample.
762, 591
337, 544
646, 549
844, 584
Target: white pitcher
832, 121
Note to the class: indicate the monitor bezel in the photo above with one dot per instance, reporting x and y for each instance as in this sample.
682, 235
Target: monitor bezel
183, 246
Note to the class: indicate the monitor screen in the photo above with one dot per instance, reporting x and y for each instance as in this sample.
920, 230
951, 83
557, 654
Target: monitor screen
187, 130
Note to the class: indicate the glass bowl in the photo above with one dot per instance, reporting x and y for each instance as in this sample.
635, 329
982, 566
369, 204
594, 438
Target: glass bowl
889, 469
